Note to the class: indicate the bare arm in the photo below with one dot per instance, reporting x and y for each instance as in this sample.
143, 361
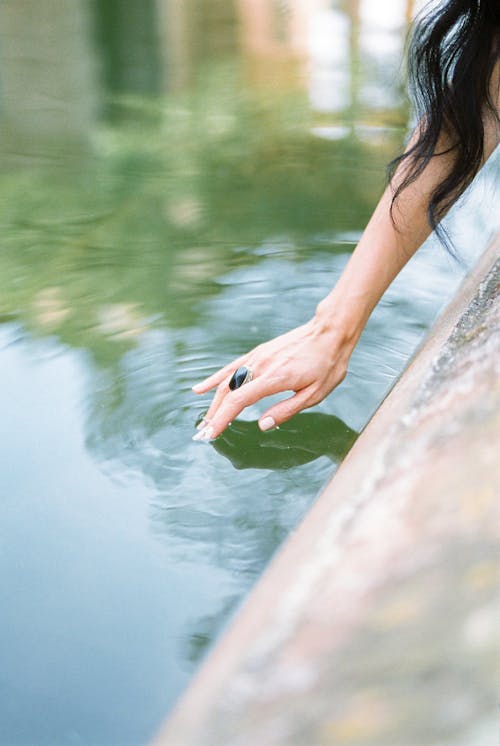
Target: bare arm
312, 359
384, 248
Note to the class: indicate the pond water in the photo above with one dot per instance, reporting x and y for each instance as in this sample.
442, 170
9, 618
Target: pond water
179, 182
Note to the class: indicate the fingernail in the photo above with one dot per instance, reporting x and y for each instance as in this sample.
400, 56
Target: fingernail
202, 423
267, 423
205, 434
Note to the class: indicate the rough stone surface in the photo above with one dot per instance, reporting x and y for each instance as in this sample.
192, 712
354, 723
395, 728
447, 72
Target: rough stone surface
377, 623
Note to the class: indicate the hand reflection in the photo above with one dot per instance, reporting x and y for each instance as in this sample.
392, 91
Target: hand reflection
305, 438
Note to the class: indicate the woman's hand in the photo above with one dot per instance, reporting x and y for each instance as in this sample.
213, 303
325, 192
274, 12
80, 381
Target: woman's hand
312, 359
309, 360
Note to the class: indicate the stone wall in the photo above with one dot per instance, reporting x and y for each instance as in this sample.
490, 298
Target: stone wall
377, 623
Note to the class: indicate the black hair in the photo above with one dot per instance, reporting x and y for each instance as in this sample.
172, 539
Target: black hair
452, 52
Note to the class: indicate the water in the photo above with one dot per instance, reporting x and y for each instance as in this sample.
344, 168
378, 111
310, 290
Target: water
189, 182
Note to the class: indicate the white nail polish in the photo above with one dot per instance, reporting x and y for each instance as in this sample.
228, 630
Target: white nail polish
205, 434
267, 423
202, 424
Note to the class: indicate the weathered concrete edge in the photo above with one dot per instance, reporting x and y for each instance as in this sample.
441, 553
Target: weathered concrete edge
260, 609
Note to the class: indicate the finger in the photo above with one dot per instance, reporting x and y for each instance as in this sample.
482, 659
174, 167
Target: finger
218, 376
222, 391
286, 409
234, 403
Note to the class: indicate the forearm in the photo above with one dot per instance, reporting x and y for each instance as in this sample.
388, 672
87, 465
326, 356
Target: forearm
312, 359
384, 248
379, 256
386, 245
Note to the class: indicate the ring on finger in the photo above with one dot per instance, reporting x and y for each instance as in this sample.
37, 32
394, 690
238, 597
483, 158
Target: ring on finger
241, 375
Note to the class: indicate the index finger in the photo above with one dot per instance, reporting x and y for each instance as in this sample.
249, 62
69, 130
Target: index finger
218, 376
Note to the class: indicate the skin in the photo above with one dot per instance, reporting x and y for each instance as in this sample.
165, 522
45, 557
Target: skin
312, 359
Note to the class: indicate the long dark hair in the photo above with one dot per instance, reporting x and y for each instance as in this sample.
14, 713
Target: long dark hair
452, 51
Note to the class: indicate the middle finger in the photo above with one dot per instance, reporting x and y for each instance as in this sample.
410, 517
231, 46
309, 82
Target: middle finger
223, 390
234, 402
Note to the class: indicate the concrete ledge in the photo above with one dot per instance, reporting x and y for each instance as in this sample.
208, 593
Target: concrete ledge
377, 623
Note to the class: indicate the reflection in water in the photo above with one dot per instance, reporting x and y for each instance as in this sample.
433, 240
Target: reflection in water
129, 45
163, 165
305, 438
200, 636
48, 88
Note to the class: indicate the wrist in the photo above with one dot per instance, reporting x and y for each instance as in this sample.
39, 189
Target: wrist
340, 320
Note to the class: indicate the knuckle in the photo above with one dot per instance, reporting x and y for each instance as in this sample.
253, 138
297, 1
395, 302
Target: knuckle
276, 375
313, 398
222, 387
289, 409
342, 371
284, 412
280, 374
341, 374
315, 395
238, 399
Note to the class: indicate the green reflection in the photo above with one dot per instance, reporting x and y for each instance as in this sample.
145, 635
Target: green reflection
151, 159
148, 222
305, 438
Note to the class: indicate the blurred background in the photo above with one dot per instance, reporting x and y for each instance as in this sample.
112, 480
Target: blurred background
180, 180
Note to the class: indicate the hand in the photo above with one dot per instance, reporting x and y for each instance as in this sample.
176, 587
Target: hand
309, 360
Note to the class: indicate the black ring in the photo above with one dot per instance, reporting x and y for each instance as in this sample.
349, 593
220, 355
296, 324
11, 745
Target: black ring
240, 376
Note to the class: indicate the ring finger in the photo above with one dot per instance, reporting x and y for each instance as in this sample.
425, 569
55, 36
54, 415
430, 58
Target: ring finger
222, 391
235, 402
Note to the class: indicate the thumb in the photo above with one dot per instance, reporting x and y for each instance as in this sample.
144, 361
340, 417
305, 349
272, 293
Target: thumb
286, 409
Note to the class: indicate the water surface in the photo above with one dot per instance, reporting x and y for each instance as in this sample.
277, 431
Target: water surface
189, 182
